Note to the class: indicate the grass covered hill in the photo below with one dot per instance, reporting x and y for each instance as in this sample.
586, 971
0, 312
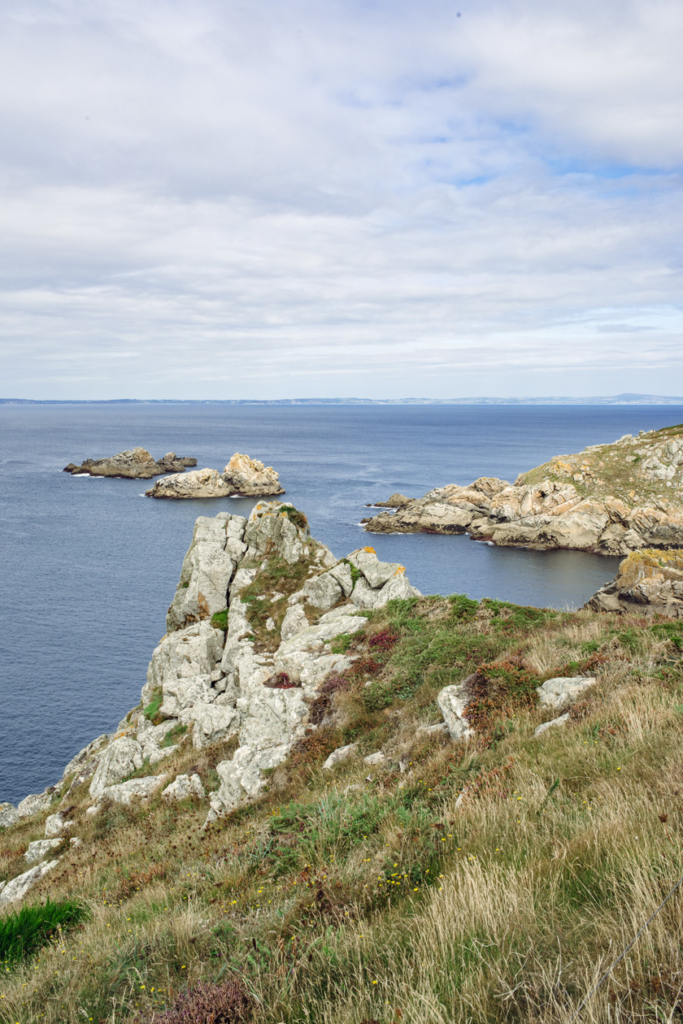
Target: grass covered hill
492, 880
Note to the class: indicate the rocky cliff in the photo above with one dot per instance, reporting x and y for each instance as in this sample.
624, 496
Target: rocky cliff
649, 583
609, 499
136, 463
249, 643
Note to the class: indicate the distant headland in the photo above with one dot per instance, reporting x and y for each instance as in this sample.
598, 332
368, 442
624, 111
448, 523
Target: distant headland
624, 399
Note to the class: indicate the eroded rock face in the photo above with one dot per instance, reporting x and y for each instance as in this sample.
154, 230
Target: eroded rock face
649, 582
136, 463
608, 499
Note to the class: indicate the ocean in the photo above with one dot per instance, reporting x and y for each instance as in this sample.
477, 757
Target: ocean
91, 565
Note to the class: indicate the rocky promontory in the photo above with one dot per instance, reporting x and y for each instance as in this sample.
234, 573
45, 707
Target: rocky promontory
609, 499
649, 583
136, 463
241, 477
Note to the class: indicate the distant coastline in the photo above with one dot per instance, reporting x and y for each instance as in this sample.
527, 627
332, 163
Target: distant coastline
625, 399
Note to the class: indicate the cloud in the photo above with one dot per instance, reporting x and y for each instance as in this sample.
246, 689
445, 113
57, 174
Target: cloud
243, 200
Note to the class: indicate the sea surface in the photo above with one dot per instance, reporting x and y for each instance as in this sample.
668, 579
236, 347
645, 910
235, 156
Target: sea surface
89, 566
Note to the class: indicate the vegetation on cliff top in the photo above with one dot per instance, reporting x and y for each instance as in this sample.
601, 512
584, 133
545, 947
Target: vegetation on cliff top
364, 894
612, 470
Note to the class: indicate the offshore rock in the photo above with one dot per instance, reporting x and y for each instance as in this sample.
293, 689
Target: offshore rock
250, 477
649, 582
136, 463
609, 499
200, 483
241, 477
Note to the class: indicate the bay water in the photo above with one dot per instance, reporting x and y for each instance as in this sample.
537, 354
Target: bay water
90, 565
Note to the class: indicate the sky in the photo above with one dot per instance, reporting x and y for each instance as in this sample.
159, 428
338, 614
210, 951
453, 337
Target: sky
266, 199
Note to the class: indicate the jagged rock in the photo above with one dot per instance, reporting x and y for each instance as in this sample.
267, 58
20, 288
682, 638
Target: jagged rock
39, 848
609, 499
250, 477
34, 804
649, 582
323, 591
341, 754
271, 529
16, 889
136, 463
563, 690
562, 720
181, 667
122, 757
211, 722
452, 701
182, 787
56, 825
305, 658
294, 622
208, 567
85, 761
126, 792
200, 483
150, 737
376, 573
341, 572
9, 815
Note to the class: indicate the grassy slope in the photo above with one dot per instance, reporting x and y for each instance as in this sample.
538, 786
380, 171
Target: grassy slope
339, 898
605, 471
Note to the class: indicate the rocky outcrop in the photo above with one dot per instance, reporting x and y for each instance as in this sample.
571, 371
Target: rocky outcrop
241, 477
15, 890
251, 478
397, 500
222, 674
649, 582
136, 463
609, 499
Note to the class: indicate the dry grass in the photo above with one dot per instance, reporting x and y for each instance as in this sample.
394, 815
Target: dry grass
337, 899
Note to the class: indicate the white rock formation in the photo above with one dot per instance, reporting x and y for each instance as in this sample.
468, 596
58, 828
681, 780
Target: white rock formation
122, 757
9, 815
34, 804
56, 825
452, 701
563, 690
16, 889
126, 792
39, 848
198, 483
562, 720
340, 755
182, 787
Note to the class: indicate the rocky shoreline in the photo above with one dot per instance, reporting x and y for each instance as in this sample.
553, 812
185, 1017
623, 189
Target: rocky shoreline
648, 583
609, 500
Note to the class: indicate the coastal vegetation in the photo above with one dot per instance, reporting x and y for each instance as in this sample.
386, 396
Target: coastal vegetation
490, 880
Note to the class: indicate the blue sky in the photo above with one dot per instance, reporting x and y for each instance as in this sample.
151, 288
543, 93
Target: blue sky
264, 199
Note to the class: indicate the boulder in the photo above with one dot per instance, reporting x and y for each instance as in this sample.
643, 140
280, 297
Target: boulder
200, 483
452, 701
34, 804
563, 690
294, 622
340, 755
562, 720
136, 463
40, 848
56, 825
374, 759
250, 477
126, 792
122, 757
16, 889
9, 815
183, 787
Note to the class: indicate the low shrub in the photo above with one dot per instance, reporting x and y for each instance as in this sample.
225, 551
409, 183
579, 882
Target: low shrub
219, 620
298, 518
225, 1003
32, 928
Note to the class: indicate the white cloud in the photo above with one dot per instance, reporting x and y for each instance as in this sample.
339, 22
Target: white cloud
240, 200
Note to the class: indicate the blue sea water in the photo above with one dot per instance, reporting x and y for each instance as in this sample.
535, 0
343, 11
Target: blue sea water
89, 566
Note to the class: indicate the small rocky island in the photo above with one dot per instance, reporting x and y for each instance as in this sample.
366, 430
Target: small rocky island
609, 499
242, 476
137, 464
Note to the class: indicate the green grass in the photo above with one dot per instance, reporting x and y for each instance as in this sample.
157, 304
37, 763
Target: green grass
219, 620
151, 712
25, 932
